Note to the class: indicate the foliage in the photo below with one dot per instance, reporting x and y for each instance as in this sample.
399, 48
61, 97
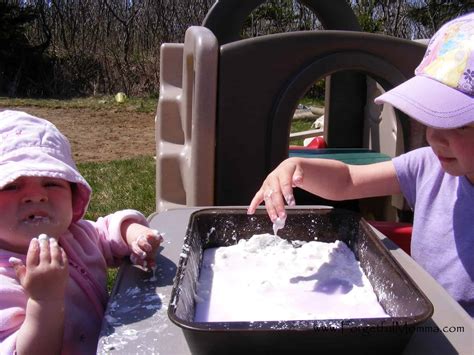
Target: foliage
408, 18
277, 16
431, 15
365, 14
19, 59
68, 49
12, 25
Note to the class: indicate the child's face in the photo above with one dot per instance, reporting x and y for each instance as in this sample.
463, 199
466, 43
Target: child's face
30, 206
454, 149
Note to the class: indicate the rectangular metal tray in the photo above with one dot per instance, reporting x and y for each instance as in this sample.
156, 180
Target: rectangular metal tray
397, 293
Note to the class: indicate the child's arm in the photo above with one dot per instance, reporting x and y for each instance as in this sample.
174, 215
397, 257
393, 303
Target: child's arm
330, 179
44, 278
143, 242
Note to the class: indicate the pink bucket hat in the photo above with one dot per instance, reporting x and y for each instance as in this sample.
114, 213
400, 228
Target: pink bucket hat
441, 93
31, 146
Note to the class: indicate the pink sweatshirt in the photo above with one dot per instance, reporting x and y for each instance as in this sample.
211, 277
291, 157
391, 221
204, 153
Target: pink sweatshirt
91, 247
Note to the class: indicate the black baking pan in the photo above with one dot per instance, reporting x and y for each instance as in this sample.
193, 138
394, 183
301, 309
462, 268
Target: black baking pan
399, 296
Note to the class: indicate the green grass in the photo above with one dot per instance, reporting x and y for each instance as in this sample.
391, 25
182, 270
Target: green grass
309, 101
118, 185
137, 104
304, 124
298, 126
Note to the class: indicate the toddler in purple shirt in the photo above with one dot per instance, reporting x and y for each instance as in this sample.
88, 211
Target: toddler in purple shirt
443, 230
437, 181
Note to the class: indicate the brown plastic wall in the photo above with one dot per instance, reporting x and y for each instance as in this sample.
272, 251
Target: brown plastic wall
261, 80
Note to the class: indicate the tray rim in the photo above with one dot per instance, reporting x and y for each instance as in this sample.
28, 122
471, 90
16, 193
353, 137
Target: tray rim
296, 325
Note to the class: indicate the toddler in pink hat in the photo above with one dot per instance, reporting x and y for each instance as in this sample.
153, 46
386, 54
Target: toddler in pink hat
53, 263
437, 181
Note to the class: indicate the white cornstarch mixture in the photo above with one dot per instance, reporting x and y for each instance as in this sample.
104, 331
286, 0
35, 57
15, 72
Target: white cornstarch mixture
268, 278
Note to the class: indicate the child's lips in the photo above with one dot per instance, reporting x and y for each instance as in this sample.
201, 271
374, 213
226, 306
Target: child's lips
36, 217
445, 159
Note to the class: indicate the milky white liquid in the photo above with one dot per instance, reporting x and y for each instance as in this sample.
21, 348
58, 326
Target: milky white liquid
266, 278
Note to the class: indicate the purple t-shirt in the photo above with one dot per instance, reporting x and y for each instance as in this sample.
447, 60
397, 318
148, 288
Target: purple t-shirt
443, 227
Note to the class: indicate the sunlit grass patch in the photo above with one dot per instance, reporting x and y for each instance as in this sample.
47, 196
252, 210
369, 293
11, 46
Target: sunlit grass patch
137, 104
298, 126
120, 184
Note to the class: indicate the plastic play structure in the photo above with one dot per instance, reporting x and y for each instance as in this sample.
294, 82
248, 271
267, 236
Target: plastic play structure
222, 124
226, 103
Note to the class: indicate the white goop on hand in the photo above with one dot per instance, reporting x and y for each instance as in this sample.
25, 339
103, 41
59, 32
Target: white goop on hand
158, 235
14, 261
278, 224
43, 237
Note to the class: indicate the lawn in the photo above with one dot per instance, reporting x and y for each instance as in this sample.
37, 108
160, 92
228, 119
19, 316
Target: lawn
117, 185
136, 104
120, 184
303, 124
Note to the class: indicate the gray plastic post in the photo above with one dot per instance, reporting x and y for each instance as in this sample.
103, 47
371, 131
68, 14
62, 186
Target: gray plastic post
185, 121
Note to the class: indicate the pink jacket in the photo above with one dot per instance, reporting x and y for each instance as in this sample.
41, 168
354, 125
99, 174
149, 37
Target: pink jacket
91, 247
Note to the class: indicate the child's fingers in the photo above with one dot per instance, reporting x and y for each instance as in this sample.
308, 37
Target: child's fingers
291, 177
144, 248
257, 200
57, 253
64, 258
144, 242
278, 189
33, 254
154, 239
137, 249
286, 186
45, 254
298, 175
279, 205
158, 236
268, 198
274, 203
273, 198
19, 267
147, 243
15, 262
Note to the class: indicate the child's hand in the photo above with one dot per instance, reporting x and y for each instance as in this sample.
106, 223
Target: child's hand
44, 277
277, 188
144, 243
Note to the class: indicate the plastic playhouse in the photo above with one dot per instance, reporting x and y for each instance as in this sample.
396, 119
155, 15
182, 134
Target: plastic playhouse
226, 105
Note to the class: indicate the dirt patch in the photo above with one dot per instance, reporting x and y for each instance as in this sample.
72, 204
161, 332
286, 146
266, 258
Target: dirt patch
102, 135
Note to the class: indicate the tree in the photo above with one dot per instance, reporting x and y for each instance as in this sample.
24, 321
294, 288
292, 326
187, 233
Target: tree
18, 58
430, 15
277, 16
408, 18
87, 47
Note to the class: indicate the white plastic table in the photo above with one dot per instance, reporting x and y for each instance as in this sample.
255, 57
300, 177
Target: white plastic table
136, 320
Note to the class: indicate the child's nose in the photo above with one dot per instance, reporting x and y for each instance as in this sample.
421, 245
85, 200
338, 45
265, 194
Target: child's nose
436, 136
37, 195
